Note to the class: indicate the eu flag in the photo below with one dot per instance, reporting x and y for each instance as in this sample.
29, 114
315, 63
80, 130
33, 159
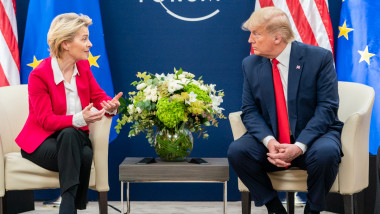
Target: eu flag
40, 15
358, 53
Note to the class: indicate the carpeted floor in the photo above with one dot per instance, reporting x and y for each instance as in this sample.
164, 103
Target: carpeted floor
167, 207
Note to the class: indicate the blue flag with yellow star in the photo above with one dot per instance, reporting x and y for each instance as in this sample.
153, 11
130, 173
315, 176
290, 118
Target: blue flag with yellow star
358, 53
35, 48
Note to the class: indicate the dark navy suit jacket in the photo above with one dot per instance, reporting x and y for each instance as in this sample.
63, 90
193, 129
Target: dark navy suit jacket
313, 99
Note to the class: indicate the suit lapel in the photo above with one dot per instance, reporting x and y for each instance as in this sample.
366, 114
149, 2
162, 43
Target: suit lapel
62, 106
295, 71
267, 90
58, 93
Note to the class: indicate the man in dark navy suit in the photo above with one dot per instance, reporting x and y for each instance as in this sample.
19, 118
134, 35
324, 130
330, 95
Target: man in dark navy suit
289, 104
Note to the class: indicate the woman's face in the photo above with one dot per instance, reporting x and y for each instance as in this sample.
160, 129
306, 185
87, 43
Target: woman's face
79, 48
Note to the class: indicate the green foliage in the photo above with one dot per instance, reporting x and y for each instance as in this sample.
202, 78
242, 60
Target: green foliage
173, 146
170, 113
201, 95
170, 102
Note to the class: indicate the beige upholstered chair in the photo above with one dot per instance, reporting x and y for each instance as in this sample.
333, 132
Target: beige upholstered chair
356, 101
17, 173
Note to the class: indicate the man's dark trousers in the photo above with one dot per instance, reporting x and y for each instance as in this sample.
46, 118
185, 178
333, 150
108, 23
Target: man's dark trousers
248, 158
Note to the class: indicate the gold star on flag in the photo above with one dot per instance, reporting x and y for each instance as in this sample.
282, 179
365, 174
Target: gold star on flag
92, 60
344, 30
365, 55
35, 63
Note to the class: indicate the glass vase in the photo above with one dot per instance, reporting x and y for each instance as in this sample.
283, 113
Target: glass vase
173, 145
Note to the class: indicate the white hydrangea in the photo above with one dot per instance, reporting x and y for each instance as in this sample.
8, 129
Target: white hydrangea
150, 93
181, 76
131, 108
159, 76
192, 98
212, 87
141, 86
174, 85
195, 82
188, 75
217, 109
185, 81
216, 100
204, 88
170, 77
138, 109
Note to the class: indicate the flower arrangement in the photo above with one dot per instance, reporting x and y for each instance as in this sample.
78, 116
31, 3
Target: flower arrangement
170, 102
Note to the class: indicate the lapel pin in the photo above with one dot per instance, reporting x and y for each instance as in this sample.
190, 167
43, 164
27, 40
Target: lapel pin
298, 67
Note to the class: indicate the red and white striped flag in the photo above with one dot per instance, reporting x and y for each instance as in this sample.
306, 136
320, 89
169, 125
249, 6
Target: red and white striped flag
310, 20
9, 55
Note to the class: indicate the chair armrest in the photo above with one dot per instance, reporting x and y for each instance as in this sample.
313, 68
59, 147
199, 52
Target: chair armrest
2, 168
99, 136
354, 168
237, 126
238, 129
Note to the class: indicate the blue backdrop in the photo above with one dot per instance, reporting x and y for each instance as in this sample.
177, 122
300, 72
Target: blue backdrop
141, 36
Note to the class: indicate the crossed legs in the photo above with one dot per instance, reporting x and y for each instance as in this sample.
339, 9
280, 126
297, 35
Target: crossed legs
69, 153
248, 158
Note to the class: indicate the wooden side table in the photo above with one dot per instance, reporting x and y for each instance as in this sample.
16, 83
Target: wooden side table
216, 171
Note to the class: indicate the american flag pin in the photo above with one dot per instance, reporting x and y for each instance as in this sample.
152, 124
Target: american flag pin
298, 67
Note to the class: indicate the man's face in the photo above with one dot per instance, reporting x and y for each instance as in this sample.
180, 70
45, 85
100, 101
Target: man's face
262, 42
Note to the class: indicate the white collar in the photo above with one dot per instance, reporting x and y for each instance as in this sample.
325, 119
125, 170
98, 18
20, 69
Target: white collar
284, 56
58, 76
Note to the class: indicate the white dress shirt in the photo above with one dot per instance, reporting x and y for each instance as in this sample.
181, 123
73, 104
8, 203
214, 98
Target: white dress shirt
74, 106
283, 67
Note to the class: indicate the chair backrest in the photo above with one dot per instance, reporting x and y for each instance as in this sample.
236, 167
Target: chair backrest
356, 101
14, 110
237, 126
354, 98
355, 109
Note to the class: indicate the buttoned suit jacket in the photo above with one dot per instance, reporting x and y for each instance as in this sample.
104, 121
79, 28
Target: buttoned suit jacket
312, 98
47, 103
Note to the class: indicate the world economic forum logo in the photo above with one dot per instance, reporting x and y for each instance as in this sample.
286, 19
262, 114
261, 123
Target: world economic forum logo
182, 17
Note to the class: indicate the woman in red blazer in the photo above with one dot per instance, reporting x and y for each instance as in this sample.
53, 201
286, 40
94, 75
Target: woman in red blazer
62, 91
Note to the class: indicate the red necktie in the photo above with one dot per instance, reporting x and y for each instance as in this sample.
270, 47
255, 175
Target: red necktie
282, 114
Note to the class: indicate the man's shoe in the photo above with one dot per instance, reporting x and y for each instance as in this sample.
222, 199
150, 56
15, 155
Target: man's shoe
53, 203
274, 206
308, 211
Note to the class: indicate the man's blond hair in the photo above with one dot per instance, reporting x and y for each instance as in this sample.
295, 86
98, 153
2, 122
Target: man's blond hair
273, 20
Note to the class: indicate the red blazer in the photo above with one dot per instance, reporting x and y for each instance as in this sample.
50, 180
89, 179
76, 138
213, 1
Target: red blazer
47, 103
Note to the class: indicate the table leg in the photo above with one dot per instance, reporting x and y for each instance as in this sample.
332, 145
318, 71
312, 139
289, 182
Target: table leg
122, 200
225, 197
128, 201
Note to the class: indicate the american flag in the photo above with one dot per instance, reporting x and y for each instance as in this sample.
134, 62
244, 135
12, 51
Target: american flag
310, 20
9, 55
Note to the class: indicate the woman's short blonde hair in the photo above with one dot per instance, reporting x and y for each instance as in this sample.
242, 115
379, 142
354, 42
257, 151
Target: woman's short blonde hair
273, 20
64, 27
